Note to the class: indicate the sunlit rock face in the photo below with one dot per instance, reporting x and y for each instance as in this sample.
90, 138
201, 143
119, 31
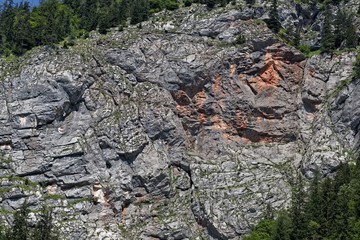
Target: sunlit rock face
176, 133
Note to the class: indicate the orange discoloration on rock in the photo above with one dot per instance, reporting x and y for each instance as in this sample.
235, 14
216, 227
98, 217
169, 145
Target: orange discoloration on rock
245, 140
232, 69
222, 103
242, 77
232, 84
270, 75
258, 138
199, 99
277, 73
311, 72
216, 84
123, 214
201, 118
226, 136
182, 98
183, 102
183, 110
218, 123
291, 72
240, 121
231, 138
265, 140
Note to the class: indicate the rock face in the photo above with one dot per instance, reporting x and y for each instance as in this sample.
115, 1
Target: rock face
172, 131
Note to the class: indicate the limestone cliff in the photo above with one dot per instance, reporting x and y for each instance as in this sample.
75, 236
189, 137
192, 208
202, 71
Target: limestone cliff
172, 130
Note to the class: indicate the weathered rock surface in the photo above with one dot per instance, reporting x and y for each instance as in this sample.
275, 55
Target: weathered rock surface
172, 131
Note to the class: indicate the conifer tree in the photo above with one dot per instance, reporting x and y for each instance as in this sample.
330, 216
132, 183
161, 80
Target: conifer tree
7, 26
327, 38
297, 210
73, 4
44, 229
327, 205
250, 2
262, 231
123, 11
297, 38
339, 26
211, 3
19, 229
332, 209
105, 16
104, 21
89, 15
273, 22
351, 38
63, 21
47, 27
356, 75
283, 227
345, 30
312, 206
23, 37
140, 11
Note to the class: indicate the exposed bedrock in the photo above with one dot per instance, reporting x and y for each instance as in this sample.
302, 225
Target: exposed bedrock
176, 134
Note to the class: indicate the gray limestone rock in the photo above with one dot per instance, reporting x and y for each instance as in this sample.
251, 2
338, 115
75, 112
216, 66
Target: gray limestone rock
176, 134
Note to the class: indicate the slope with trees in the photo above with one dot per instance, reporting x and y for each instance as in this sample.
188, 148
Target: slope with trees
329, 209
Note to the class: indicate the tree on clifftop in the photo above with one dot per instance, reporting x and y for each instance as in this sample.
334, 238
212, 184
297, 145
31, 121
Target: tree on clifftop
140, 11
273, 22
327, 42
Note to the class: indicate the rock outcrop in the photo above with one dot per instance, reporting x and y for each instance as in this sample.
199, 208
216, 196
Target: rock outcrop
172, 131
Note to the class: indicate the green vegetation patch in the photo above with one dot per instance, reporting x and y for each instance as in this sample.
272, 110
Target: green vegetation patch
327, 209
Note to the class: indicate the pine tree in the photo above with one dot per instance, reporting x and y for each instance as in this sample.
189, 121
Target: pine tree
7, 26
45, 22
356, 74
211, 3
283, 227
104, 21
89, 15
273, 22
44, 229
345, 30
327, 205
312, 206
140, 11
105, 16
115, 13
262, 231
297, 38
250, 2
19, 229
123, 11
297, 210
351, 38
313, 212
23, 37
313, 228
332, 209
327, 38
63, 21
73, 4
339, 27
